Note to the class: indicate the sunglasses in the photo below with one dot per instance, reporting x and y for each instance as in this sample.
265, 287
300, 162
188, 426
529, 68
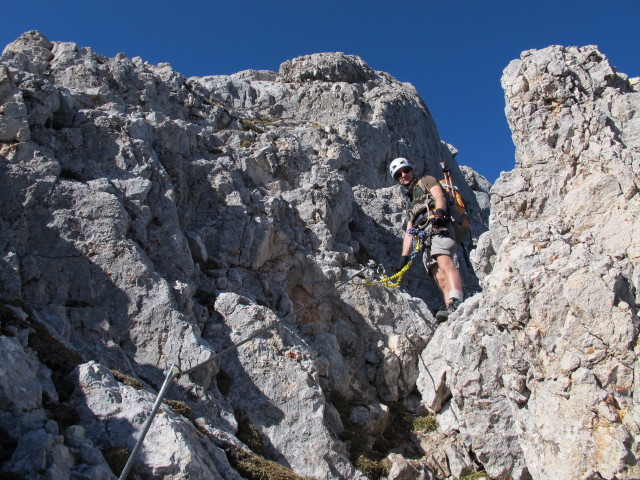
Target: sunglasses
401, 171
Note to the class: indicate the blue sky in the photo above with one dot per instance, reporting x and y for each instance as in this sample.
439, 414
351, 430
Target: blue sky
453, 52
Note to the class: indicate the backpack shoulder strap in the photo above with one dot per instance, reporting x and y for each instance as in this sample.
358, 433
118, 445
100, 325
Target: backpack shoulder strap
425, 188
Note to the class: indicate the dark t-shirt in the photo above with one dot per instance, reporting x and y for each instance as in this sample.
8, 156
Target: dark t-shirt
418, 196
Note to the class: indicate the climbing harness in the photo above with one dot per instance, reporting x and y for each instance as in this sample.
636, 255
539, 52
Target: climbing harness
174, 371
421, 240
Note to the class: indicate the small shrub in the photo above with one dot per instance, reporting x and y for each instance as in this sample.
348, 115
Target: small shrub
246, 143
117, 459
181, 408
253, 467
267, 121
476, 476
371, 468
249, 125
359, 444
424, 424
127, 380
249, 434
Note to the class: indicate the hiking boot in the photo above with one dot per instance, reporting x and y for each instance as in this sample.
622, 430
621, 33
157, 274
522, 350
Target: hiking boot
443, 315
454, 303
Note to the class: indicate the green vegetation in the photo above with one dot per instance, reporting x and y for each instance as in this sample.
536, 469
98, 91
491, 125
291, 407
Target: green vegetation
117, 459
362, 448
249, 434
475, 476
250, 465
373, 469
126, 379
424, 424
271, 122
250, 126
254, 467
181, 408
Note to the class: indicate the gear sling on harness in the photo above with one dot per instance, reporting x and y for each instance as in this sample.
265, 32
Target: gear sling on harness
421, 240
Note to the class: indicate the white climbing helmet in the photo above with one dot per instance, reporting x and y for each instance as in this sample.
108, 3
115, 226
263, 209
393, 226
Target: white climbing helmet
397, 164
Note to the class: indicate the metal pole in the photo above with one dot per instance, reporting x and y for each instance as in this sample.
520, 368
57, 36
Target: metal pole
172, 372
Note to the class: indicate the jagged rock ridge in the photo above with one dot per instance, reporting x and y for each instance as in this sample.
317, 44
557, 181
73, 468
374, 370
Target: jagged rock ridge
538, 372
151, 219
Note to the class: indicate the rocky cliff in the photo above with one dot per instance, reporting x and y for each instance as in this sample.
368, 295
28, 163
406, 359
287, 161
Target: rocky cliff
538, 372
151, 219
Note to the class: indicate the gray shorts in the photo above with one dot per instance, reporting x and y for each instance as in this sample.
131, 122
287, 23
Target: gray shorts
440, 245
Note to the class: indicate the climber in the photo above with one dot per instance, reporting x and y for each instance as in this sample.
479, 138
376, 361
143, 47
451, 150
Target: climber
427, 204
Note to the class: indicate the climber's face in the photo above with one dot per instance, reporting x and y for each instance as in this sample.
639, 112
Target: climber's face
404, 176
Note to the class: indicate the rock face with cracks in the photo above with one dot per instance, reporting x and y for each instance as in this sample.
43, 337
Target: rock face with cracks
151, 219
538, 372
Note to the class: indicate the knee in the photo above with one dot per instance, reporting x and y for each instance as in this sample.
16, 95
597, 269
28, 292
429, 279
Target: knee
445, 262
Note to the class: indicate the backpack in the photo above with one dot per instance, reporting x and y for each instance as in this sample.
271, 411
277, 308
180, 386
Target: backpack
419, 212
457, 206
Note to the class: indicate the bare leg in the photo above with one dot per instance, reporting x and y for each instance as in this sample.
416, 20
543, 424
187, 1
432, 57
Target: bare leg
446, 276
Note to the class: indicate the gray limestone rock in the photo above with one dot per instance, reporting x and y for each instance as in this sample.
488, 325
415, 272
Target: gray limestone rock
542, 360
149, 219
326, 67
117, 413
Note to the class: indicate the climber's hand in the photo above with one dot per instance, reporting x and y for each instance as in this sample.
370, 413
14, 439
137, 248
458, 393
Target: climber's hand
403, 261
439, 218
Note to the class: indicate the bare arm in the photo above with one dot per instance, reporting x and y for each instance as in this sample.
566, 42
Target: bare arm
439, 196
407, 241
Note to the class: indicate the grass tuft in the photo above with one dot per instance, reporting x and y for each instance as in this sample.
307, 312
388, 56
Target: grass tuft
250, 126
424, 424
127, 379
181, 408
117, 459
373, 469
475, 476
254, 467
249, 434
271, 122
